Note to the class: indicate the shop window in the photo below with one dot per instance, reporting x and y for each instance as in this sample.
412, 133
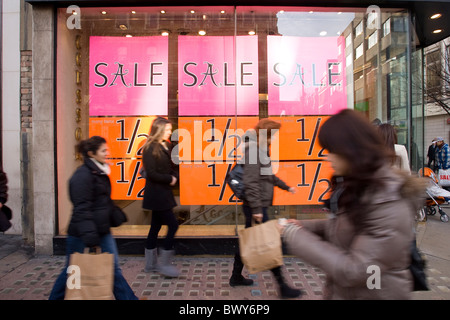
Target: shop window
214, 72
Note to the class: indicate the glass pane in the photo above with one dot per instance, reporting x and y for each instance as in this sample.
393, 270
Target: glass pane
214, 72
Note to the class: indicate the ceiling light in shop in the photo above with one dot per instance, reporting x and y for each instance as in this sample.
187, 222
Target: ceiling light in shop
129, 36
192, 11
323, 33
165, 33
436, 16
252, 32
222, 12
163, 11
103, 12
202, 32
437, 31
133, 12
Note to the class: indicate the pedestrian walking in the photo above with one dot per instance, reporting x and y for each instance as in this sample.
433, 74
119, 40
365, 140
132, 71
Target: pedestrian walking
399, 155
442, 154
90, 224
259, 182
365, 247
5, 211
431, 155
161, 176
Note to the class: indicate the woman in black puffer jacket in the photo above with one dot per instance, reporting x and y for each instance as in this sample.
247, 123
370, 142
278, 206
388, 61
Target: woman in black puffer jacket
90, 193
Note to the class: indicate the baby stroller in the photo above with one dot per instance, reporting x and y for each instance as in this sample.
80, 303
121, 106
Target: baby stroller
436, 195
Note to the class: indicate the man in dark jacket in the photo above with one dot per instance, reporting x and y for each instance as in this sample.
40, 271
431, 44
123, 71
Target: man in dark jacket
259, 182
431, 155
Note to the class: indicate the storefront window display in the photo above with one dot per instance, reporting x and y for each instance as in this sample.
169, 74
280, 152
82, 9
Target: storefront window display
214, 72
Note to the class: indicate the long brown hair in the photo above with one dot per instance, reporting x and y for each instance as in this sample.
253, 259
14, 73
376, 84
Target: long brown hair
351, 136
156, 134
389, 136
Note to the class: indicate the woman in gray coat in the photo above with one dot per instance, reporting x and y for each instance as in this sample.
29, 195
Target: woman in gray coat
364, 248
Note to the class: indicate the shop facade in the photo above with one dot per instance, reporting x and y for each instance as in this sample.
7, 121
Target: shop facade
110, 68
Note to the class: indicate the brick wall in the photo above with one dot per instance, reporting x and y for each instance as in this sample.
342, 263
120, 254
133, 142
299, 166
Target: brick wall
25, 91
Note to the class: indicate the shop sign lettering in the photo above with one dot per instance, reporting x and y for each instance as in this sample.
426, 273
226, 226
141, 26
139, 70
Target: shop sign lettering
218, 76
306, 76
128, 76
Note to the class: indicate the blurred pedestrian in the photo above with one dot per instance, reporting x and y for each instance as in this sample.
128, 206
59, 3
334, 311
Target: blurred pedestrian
441, 154
161, 176
399, 155
365, 247
5, 211
90, 224
431, 155
259, 182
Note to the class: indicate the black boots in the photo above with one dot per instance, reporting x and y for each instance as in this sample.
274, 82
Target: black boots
236, 278
239, 280
285, 291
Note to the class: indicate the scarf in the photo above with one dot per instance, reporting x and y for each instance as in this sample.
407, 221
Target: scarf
102, 166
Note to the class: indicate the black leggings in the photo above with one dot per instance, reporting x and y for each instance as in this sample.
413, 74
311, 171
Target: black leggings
159, 218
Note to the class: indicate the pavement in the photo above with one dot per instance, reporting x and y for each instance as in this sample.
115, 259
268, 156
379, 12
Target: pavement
26, 276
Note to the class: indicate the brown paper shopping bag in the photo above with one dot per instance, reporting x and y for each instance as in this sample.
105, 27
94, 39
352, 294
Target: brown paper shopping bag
90, 276
260, 247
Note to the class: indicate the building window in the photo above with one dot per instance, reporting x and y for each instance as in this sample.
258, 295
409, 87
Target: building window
433, 73
359, 29
387, 27
359, 51
373, 39
348, 40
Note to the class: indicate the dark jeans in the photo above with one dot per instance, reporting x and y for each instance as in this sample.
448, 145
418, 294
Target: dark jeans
238, 265
121, 289
159, 218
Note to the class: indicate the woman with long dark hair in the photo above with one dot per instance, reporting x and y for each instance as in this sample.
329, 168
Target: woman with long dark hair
365, 247
90, 224
161, 176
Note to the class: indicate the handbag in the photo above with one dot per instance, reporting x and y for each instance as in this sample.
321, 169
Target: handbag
90, 276
117, 217
444, 177
235, 180
260, 247
417, 268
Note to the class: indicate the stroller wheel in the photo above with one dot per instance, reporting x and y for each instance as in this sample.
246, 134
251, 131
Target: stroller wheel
444, 217
431, 211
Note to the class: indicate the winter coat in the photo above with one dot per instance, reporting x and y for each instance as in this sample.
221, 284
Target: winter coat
258, 178
349, 255
442, 157
90, 193
3, 187
158, 193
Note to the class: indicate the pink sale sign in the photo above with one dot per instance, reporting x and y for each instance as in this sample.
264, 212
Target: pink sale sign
217, 75
128, 76
306, 75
